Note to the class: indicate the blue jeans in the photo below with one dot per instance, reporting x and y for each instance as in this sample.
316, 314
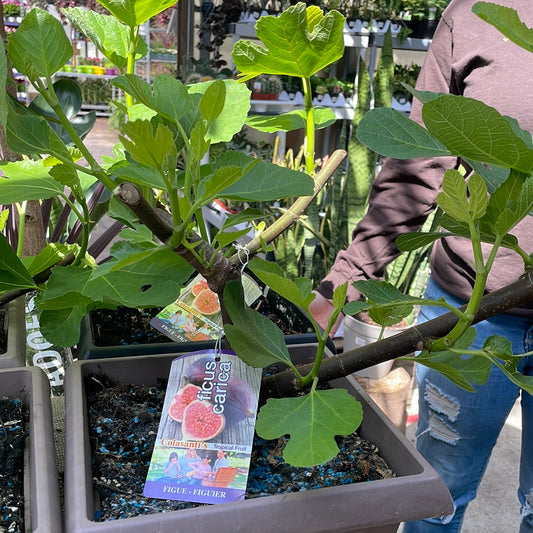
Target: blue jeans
457, 429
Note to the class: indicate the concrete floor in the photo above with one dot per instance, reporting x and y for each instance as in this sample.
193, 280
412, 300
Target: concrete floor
496, 508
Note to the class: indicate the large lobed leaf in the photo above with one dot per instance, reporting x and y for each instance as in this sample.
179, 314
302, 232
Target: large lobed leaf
40, 46
312, 421
137, 276
110, 36
300, 42
135, 12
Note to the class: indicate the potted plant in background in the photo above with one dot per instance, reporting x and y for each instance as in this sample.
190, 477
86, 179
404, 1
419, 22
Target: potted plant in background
422, 16
143, 270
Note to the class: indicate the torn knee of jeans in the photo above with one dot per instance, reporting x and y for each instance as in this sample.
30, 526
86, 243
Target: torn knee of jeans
527, 508
440, 430
441, 402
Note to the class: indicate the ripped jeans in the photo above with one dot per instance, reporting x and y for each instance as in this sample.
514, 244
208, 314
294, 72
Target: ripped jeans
457, 429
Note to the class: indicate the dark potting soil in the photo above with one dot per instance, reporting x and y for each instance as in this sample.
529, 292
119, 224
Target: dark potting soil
126, 326
13, 433
123, 423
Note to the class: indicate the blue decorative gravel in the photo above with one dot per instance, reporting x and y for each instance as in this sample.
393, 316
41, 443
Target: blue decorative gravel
13, 433
123, 422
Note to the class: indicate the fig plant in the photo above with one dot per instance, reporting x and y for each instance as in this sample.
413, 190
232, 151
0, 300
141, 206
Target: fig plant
160, 203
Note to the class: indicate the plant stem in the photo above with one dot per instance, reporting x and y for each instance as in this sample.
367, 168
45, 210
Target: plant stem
410, 340
21, 209
295, 211
130, 63
310, 127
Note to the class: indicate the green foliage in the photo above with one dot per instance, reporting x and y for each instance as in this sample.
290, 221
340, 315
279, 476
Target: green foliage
29, 47
253, 336
312, 421
14, 275
166, 240
300, 42
470, 129
112, 37
3, 81
506, 20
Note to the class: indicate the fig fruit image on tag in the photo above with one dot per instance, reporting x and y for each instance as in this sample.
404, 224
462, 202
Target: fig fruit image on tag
195, 315
204, 442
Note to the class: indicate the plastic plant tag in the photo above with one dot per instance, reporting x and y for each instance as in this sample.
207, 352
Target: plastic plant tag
204, 442
195, 315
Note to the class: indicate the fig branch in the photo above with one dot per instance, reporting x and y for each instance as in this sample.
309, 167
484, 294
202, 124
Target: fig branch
293, 213
410, 340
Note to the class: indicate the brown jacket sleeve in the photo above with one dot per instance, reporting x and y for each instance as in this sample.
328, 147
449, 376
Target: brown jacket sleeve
404, 192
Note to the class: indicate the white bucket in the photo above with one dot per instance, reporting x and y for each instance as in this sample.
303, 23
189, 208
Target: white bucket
358, 333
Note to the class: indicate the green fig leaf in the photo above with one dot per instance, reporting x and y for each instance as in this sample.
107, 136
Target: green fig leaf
312, 421
300, 42
148, 146
253, 337
507, 21
27, 180
13, 274
40, 46
168, 96
485, 136
135, 12
463, 371
389, 133
110, 36
298, 292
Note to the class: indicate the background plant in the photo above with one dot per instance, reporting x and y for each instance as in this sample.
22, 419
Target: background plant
11, 8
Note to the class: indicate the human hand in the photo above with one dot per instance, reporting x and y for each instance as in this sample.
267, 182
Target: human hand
321, 309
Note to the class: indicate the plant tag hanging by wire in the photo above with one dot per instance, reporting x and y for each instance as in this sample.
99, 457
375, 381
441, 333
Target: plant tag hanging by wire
204, 442
195, 315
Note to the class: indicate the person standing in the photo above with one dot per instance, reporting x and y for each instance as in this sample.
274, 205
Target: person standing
457, 429
220, 461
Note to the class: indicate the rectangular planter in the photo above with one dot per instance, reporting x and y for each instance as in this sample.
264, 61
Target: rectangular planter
377, 506
88, 349
42, 512
15, 326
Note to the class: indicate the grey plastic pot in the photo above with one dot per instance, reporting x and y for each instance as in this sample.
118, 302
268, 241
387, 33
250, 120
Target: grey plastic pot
89, 348
373, 507
42, 513
15, 324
